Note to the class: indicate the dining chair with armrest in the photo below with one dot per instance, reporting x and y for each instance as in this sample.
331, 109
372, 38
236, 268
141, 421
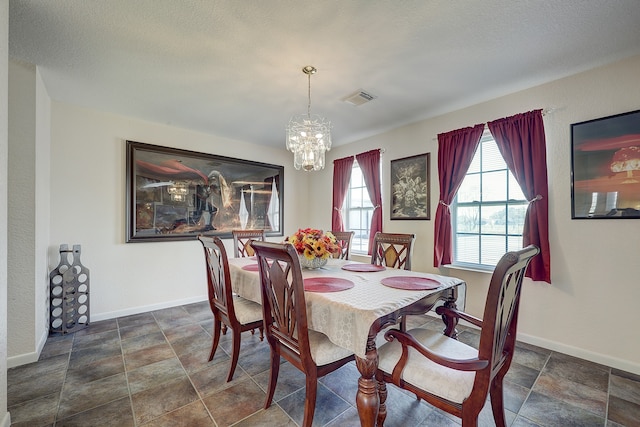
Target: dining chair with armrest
242, 240
344, 239
449, 374
393, 250
285, 323
237, 313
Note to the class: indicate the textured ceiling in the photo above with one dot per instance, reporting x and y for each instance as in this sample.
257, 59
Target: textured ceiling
233, 68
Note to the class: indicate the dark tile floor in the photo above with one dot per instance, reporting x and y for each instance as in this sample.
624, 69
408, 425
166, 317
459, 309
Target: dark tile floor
151, 369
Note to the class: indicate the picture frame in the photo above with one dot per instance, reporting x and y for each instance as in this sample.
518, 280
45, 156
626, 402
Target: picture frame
410, 188
605, 167
174, 194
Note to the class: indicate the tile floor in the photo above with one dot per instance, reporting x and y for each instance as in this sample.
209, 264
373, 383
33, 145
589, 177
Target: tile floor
151, 369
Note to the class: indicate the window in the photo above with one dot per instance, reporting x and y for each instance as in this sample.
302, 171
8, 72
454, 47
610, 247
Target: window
359, 209
488, 211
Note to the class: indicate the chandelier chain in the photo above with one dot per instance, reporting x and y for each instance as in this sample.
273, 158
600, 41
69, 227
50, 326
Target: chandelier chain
309, 97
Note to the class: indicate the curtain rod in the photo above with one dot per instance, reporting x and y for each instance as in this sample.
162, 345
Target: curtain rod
545, 112
382, 151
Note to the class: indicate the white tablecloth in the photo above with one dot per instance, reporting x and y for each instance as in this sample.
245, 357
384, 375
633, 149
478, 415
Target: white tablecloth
345, 316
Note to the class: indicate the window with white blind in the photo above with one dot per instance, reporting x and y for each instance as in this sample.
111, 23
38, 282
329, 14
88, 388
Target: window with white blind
488, 211
358, 211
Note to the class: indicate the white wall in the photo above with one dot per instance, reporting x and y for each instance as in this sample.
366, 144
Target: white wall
88, 208
5, 419
591, 308
28, 216
21, 201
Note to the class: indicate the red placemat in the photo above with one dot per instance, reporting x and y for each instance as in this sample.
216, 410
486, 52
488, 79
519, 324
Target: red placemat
410, 283
363, 267
251, 267
327, 284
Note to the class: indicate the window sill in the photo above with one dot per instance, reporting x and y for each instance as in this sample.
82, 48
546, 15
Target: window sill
359, 253
475, 269
361, 257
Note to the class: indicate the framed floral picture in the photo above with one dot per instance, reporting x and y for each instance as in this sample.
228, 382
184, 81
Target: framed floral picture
175, 194
410, 187
605, 167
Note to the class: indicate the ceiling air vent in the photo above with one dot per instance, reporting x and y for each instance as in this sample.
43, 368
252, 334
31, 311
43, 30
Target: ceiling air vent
359, 97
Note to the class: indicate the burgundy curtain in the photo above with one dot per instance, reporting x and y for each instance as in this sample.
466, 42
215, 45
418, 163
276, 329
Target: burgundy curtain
455, 153
369, 162
521, 141
341, 176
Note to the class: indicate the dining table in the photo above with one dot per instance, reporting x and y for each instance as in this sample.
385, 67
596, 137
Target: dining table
352, 302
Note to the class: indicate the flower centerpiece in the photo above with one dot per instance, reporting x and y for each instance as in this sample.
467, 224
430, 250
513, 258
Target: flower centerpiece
313, 246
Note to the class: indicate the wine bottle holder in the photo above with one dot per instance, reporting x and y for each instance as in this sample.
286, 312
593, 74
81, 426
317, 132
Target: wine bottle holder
69, 293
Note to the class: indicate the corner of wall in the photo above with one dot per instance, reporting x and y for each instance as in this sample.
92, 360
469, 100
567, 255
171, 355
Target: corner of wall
4, 71
43, 210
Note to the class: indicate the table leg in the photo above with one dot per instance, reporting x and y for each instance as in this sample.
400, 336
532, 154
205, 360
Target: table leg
382, 412
367, 399
450, 322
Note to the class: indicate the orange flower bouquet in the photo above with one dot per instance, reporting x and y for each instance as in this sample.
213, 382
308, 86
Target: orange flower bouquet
313, 246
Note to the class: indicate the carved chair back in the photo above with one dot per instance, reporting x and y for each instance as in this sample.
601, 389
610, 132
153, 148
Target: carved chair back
218, 279
283, 300
242, 240
500, 318
393, 250
344, 239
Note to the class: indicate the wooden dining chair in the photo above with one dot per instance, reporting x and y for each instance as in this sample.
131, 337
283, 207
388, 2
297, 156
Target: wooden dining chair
344, 239
242, 240
393, 250
237, 313
449, 374
286, 328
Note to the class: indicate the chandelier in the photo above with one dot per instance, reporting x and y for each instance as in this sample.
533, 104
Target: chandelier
308, 136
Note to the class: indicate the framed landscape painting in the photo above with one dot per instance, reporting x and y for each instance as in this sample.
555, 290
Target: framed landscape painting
605, 167
175, 194
410, 185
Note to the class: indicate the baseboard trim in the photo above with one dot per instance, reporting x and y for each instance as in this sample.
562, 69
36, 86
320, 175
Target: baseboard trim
25, 358
6, 420
22, 359
603, 359
146, 308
